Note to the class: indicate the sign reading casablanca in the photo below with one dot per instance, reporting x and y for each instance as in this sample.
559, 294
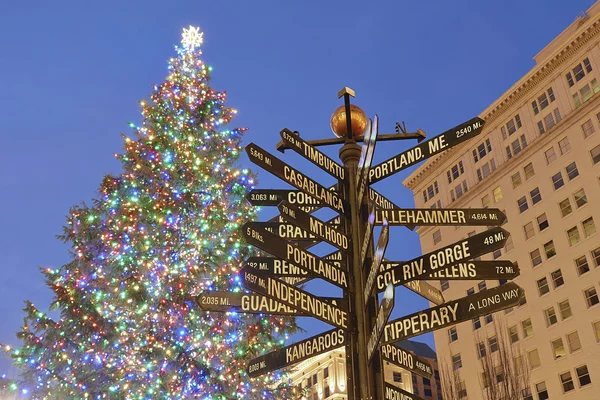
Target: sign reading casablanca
441, 216
485, 302
405, 359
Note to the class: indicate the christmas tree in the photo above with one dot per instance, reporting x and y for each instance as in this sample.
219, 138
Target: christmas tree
159, 234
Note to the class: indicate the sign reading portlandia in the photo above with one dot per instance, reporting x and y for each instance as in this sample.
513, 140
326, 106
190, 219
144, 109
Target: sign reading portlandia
313, 155
301, 258
296, 178
426, 149
479, 270
243, 303
405, 359
382, 243
425, 290
392, 392
297, 352
385, 310
366, 158
443, 258
367, 237
464, 309
441, 216
291, 296
314, 226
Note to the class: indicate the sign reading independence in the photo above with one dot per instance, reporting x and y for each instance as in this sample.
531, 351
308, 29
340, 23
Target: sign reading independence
426, 149
284, 250
291, 296
313, 155
485, 302
297, 352
296, 178
392, 392
404, 359
445, 257
441, 216
385, 310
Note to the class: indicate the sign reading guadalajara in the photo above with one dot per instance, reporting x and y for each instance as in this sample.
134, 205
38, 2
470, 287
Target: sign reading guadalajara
426, 149
443, 216
405, 359
485, 302
444, 257
295, 178
297, 352
243, 303
291, 296
312, 154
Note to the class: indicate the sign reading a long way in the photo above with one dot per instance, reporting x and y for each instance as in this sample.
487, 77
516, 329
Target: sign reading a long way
296, 178
485, 302
293, 297
441, 216
405, 359
426, 149
445, 257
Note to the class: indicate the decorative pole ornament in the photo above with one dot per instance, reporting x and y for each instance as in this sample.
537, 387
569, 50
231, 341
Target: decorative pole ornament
192, 38
358, 120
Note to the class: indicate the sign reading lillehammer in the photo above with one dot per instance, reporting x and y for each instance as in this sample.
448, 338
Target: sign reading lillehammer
357, 267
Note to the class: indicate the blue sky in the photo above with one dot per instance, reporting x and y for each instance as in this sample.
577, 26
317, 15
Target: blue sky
72, 73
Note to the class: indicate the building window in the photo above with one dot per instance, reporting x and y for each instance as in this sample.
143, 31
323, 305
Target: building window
509, 245
558, 348
582, 265
397, 376
486, 170
529, 171
527, 328
591, 297
596, 256
550, 316
437, 237
549, 249
511, 126
456, 171
534, 358
563, 146
476, 323
485, 201
525, 394
573, 235
514, 334
565, 309
557, 180
481, 350
481, 286
482, 150
326, 372
536, 257
470, 291
595, 154
522, 203
580, 198
541, 390
565, 207
589, 228
452, 334
550, 155
516, 180
497, 192
573, 342
588, 128
572, 171
583, 375
456, 362
543, 287
543, 100
596, 328
328, 391
496, 254
567, 382
493, 344
542, 222
579, 72
444, 284
557, 278
488, 319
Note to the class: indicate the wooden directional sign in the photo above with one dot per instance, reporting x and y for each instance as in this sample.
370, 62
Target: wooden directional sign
296, 178
405, 359
314, 226
367, 237
479, 270
425, 290
377, 258
243, 303
272, 197
441, 216
366, 158
426, 149
286, 231
465, 309
445, 257
297, 352
301, 258
291, 296
312, 154
275, 266
385, 310
393, 392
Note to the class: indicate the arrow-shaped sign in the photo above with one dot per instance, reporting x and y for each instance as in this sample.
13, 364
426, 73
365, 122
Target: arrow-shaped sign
393, 392
385, 310
367, 237
405, 359
286, 231
441, 216
366, 157
425, 290
382, 243
426, 149
243, 303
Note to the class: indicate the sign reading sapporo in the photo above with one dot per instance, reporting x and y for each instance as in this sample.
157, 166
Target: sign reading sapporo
441, 216
291, 296
405, 359
297, 352
426, 149
485, 302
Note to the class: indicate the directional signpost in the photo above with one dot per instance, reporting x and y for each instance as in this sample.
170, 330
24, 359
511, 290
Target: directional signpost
357, 265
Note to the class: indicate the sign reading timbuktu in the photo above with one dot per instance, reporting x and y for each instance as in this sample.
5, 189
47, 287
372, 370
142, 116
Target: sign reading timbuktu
392, 392
441, 216
296, 178
405, 359
426, 149
464, 309
385, 310
291, 296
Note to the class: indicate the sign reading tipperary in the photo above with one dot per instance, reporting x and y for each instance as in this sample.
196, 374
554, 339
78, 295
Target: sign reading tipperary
441, 216
366, 158
291, 296
485, 302
296, 178
445, 257
301, 258
392, 392
377, 258
385, 310
317, 157
426, 149
296, 352
405, 359
479, 270
243, 303
315, 226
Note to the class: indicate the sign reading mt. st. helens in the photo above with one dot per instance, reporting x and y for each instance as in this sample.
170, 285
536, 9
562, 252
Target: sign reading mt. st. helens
426, 149
444, 257
296, 178
405, 359
441, 216
312, 154
464, 309
393, 392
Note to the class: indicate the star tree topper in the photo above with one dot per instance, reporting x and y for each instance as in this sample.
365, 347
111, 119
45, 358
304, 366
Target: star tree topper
192, 37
